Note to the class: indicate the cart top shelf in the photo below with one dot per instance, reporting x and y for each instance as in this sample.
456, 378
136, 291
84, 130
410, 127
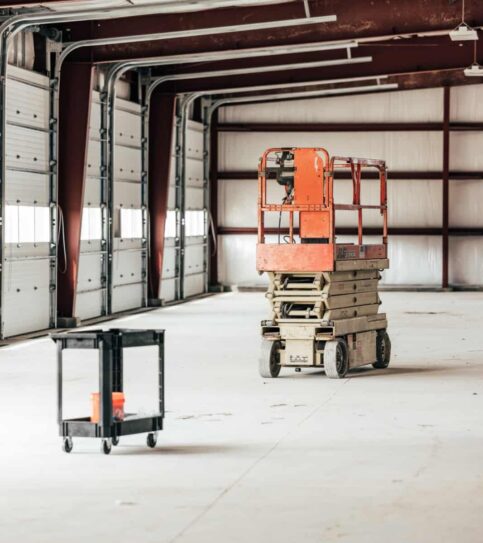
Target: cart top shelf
119, 337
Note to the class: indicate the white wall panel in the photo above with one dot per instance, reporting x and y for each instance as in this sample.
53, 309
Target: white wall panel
416, 105
465, 151
466, 261
415, 260
418, 151
466, 198
410, 202
466, 103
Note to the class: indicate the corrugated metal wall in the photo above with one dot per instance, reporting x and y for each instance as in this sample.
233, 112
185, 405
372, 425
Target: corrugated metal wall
415, 260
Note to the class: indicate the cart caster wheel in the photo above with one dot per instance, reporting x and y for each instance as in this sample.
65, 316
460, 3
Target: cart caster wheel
336, 358
67, 444
106, 446
151, 440
383, 350
115, 441
269, 364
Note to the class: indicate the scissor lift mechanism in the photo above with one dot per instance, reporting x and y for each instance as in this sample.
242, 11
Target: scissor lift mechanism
323, 295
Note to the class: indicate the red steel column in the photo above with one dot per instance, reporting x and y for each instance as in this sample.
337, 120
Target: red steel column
161, 119
446, 134
74, 110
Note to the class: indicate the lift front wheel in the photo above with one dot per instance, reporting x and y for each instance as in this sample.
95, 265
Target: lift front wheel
269, 365
336, 358
383, 350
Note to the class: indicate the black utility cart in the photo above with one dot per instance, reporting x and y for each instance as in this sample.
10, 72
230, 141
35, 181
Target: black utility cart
110, 344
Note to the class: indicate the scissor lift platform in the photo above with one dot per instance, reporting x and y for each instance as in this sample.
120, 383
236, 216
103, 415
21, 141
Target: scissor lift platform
323, 295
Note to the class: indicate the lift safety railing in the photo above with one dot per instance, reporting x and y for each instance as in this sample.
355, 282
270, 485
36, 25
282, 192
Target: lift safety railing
329, 167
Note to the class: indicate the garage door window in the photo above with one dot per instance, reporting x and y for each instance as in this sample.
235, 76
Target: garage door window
91, 224
27, 224
131, 223
195, 223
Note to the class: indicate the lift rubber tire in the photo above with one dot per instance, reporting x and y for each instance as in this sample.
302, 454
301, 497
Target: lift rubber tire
151, 440
383, 350
336, 358
67, 444
115, 441
106, 446
269, 363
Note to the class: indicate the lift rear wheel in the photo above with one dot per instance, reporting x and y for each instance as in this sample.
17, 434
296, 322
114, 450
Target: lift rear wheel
383, 350
336, 358
269, 364
67, 444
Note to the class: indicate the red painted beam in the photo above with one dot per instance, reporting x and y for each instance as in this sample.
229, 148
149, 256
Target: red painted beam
392, 175
445, 229
161, 119
74, 110
349, 127
369, 231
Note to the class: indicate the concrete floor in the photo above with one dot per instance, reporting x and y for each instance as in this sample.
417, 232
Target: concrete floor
383, 456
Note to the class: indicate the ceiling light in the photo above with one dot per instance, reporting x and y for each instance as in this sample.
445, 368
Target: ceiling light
463, 32
475, 70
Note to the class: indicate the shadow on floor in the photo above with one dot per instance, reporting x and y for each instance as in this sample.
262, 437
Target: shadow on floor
163, 449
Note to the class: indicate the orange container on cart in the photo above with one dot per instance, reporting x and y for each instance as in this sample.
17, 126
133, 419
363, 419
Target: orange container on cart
117, 406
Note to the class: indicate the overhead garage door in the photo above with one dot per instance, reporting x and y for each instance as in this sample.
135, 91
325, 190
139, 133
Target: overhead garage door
28, 282
195, 213
91, 283
130, 236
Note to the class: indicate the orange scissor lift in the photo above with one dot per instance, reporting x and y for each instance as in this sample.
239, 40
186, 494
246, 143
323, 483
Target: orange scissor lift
323, 294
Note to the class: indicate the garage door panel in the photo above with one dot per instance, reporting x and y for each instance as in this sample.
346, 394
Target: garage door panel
127, 163
27, 149
92, 191
194, 140
26, 188
26, 296
128, 128
90, 271
127, 267
194, 198
27, 105
89, 304
168, 290
194, 285
93, 158
169, 263
127, 194
194, 172
126, 297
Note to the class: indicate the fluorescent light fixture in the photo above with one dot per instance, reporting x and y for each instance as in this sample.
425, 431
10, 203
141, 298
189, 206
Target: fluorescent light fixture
475, 70
463, 32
